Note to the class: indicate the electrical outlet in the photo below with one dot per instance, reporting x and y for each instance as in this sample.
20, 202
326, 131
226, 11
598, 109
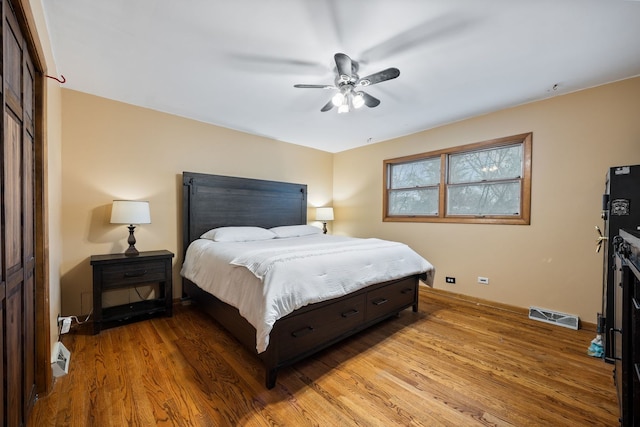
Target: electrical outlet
450, 279
483, 280
66, 325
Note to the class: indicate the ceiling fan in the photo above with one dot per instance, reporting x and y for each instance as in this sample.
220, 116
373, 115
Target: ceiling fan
348, 84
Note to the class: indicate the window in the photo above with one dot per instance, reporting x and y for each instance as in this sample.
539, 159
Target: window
486, 182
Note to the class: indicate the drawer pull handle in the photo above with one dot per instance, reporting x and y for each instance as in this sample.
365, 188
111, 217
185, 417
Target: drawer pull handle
302, 332
380, 301
350, 313
136, 273
407, 290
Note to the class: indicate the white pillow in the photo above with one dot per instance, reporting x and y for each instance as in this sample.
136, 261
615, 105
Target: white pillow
238, 234
294, 230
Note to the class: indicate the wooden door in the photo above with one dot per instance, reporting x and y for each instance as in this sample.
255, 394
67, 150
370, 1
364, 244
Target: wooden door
17, 258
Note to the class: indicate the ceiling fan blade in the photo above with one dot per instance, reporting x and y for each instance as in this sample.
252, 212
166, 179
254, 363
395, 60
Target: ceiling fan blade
328, 106
275, 64
315, 86
420, 36
343, 64
370, 101
380, 76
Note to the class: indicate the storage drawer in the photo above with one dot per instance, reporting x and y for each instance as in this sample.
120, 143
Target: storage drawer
387, 299
303, 332
136, 272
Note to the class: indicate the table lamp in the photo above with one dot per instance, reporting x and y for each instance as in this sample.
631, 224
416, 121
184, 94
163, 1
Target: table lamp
130, 212
324, 215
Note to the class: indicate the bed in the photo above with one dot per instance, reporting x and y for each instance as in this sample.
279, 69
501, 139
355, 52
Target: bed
294, 329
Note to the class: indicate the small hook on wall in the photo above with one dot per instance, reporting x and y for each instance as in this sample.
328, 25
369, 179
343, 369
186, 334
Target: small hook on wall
61, 79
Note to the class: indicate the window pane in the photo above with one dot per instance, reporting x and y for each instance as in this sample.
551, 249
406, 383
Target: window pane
422, 201
484, 199
481, 183
486, 165
421, 173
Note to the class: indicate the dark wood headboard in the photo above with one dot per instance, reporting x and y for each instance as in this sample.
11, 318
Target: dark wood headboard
210, 201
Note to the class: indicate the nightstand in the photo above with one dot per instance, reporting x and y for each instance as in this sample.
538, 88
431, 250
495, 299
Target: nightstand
118, 271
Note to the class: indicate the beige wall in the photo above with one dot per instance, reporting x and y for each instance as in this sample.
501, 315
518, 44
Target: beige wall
53, 190
113, 150
53, 160
551, 263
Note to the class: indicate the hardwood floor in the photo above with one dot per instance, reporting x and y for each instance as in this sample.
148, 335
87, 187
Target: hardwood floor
454, 363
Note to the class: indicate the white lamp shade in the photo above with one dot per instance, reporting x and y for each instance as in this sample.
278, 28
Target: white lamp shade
324, 214
130, 212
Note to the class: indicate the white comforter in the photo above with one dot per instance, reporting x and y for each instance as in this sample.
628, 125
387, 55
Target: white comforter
268, 279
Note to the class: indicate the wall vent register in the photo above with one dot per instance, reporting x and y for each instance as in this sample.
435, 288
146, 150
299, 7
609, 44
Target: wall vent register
554, 317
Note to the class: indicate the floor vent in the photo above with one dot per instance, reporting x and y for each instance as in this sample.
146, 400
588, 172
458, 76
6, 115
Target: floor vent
63, 356
561, 319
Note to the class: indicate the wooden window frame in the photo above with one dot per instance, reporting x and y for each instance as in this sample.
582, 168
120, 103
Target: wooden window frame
524, 218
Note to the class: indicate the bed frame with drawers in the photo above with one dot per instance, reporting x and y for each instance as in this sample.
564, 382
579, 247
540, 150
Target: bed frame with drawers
211, 201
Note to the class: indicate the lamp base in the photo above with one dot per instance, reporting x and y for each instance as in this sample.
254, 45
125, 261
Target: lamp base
324, 228
131, 251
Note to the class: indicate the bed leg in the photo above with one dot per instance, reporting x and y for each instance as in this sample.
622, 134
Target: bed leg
415, 308
271, 376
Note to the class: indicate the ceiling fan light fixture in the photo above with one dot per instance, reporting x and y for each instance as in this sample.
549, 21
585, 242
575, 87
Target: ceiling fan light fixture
344, 108
357, 100
347, 81
338, 99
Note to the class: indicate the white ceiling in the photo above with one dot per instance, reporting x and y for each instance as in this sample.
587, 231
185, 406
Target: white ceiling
233, 63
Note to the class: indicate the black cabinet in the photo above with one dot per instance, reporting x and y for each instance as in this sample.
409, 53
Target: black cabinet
116, 271
620, 210
627, 326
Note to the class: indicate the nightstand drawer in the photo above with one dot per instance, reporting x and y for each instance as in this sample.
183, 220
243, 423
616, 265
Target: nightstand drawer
139, 272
